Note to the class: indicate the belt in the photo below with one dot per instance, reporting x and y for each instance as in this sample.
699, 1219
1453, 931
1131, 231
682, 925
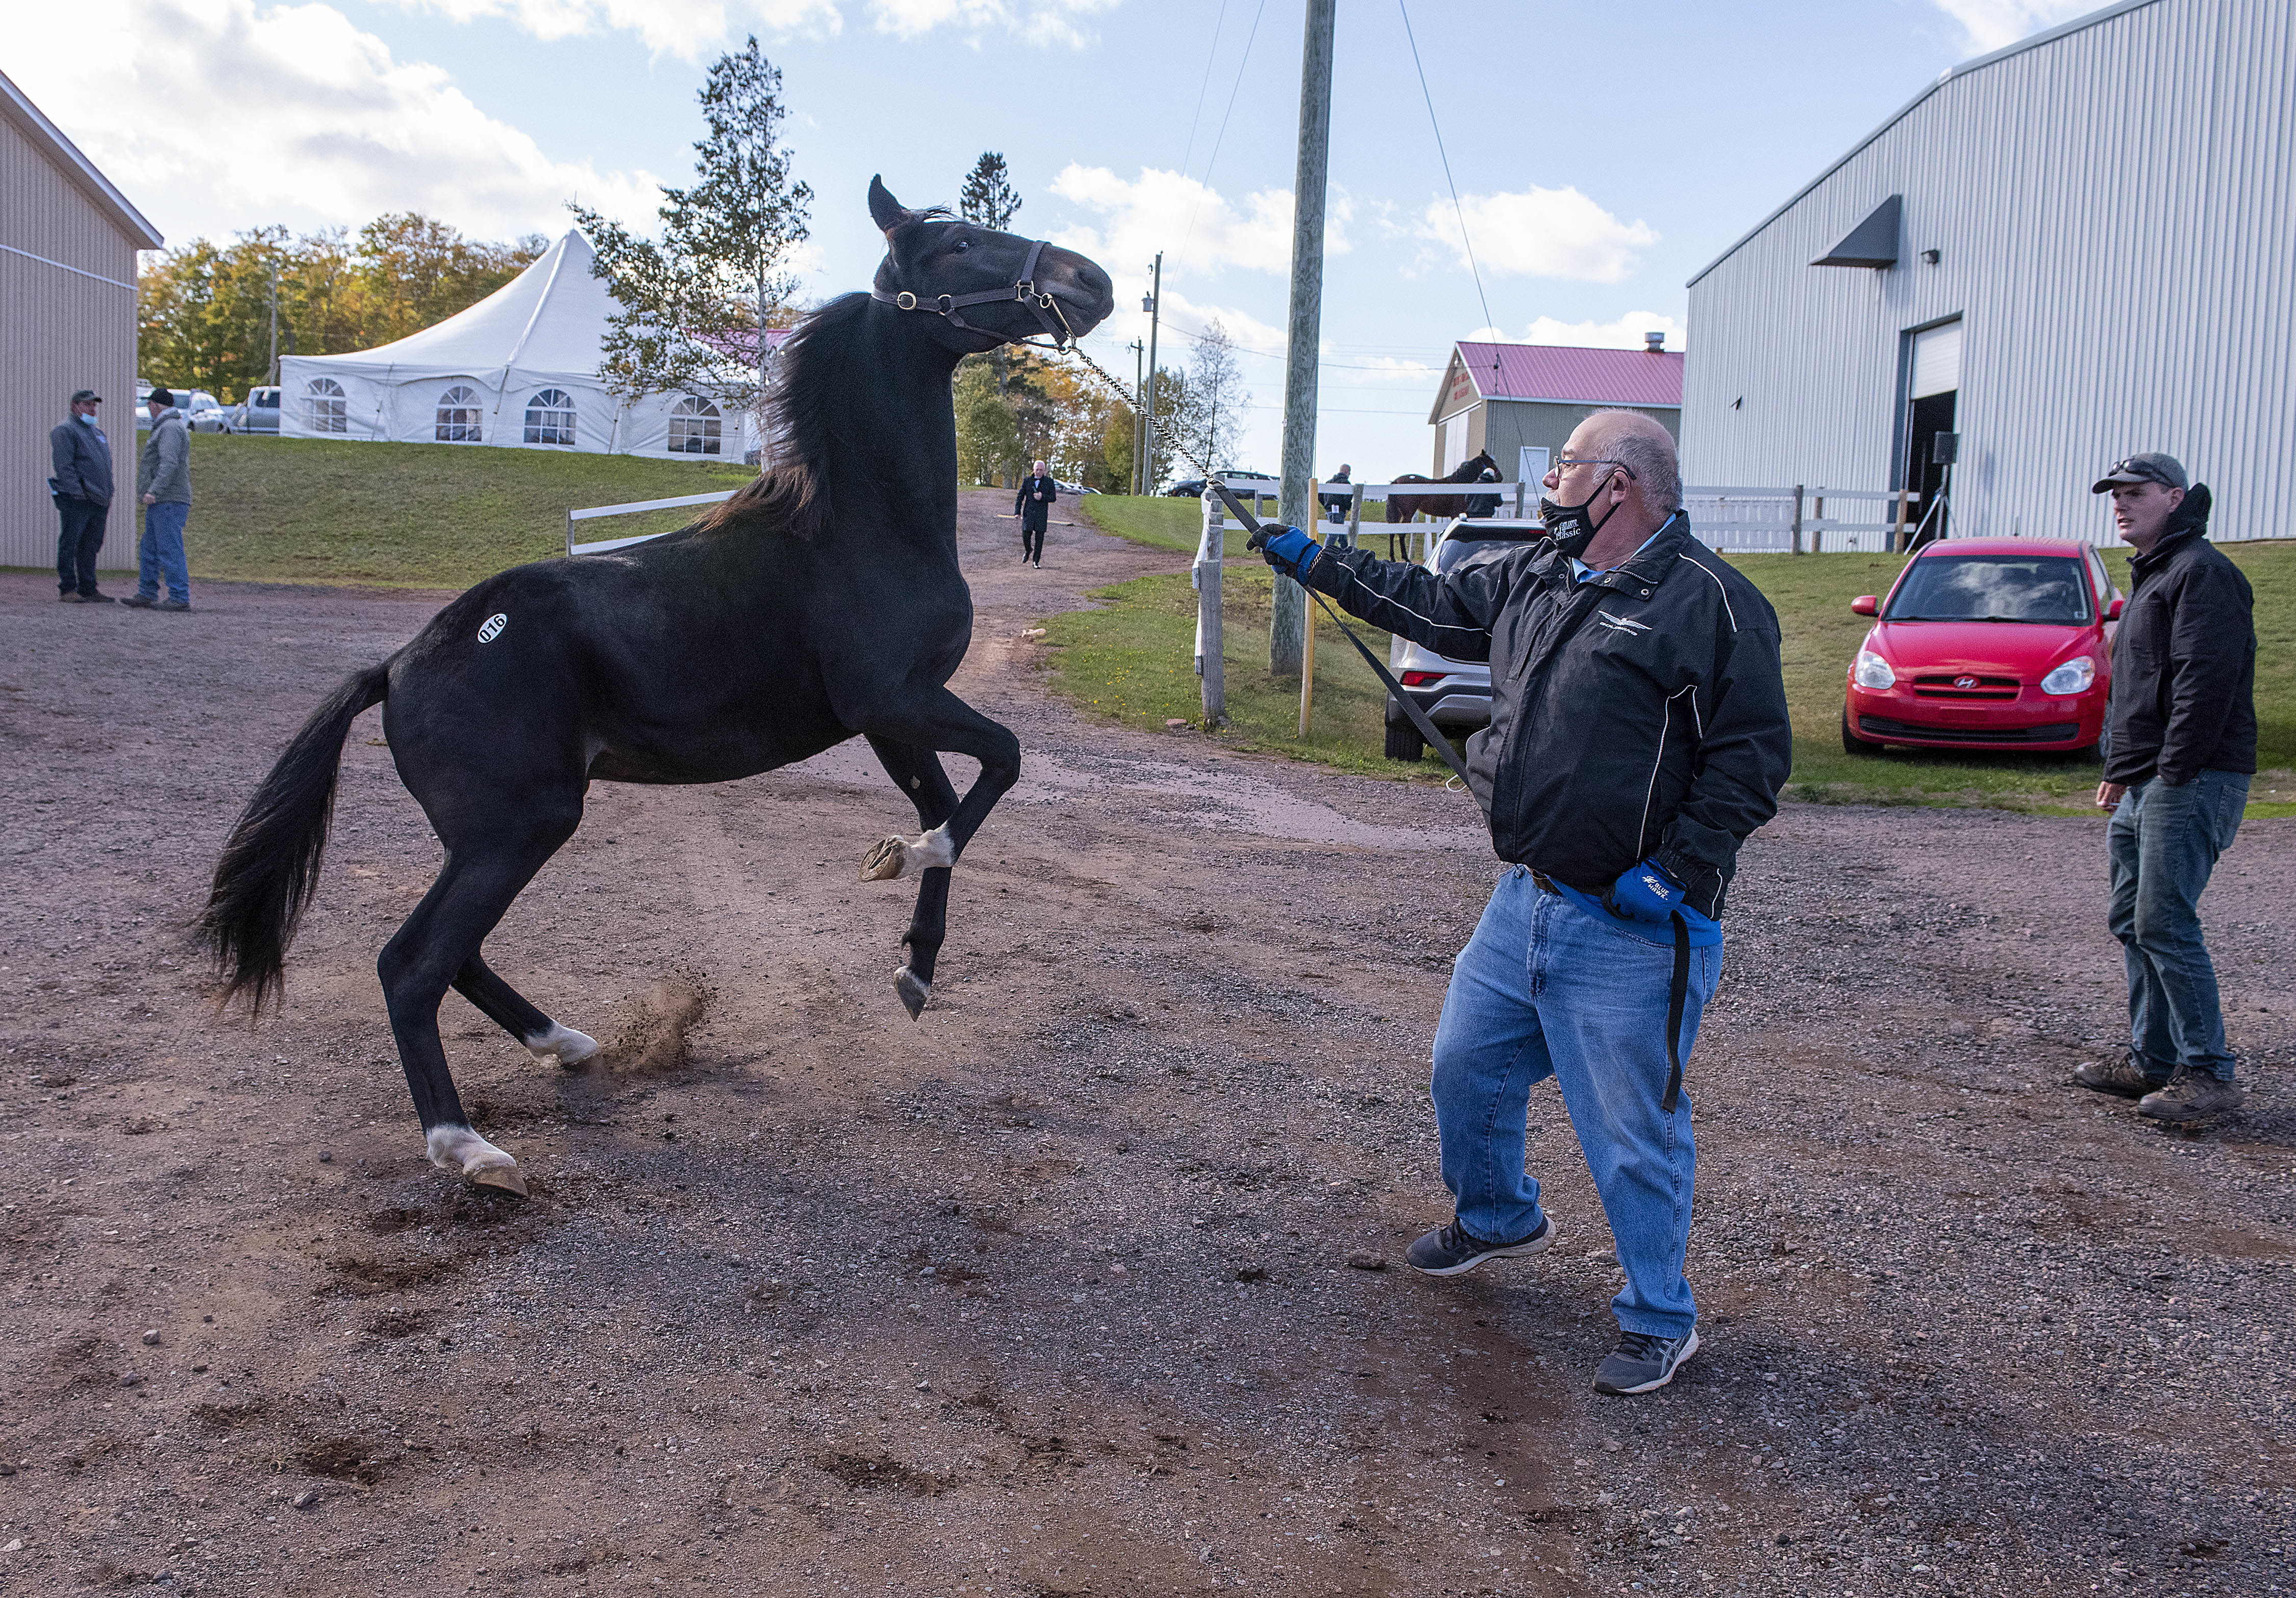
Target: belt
1545, 883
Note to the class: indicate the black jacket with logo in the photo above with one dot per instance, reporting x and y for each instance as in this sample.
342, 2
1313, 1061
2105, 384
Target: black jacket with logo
1031, 510
2184, 661
1639, 713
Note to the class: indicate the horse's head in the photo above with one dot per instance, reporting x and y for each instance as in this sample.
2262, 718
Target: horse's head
986, 288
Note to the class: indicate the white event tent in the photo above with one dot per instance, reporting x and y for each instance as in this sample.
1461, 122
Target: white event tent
519, 369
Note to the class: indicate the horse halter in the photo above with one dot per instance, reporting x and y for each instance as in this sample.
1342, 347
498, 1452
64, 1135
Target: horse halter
1024, 289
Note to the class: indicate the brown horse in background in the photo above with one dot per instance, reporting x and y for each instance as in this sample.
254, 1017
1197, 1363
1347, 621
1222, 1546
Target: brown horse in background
1402, 507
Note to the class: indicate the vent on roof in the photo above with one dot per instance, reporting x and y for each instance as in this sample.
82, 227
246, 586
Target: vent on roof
1655, 342
1873, 243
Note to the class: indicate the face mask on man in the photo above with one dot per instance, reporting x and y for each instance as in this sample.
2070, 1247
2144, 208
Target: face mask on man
89, 420
1569, 525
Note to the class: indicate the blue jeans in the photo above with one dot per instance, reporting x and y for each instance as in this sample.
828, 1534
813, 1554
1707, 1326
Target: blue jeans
1546, 989
2163, 843
160, 552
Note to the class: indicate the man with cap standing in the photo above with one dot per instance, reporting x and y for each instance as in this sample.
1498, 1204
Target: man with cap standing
163, 478
82, 487
2179, 749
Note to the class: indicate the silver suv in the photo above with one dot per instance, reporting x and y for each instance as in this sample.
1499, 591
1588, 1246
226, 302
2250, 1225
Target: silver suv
1455, 694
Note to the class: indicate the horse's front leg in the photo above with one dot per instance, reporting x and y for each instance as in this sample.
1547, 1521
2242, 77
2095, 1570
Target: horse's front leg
907, 737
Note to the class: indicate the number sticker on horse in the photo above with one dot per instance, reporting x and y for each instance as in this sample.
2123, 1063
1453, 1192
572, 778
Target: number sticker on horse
492, 627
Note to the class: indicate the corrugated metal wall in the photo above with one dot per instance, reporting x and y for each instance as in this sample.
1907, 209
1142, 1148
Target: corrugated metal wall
59, 332
2113, 209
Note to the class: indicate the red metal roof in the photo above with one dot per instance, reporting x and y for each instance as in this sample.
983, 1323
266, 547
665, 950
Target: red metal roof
1561, 372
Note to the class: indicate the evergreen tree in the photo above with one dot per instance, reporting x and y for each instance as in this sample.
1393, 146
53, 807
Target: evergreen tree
691, 304
989, 200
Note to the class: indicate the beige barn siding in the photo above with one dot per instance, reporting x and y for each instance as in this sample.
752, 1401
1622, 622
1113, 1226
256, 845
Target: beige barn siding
59, 331
2115, 208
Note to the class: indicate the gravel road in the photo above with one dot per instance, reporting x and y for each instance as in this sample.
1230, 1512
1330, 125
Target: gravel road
1063, 1290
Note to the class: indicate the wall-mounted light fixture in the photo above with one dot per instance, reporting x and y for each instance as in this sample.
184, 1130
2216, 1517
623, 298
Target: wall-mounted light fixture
1930, 256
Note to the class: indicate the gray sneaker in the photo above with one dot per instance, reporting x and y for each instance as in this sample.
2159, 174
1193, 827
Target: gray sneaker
1642, 1362
2191, 1096
2124, 1078
1450, 1250
173, 604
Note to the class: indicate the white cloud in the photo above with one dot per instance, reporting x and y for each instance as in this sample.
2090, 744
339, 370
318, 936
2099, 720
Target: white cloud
1198, 229
1541, 233
1036, 21
348, 131
1990, 24
1625, 333
690, 29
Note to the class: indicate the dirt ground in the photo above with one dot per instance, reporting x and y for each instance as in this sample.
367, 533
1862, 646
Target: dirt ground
1064, 1290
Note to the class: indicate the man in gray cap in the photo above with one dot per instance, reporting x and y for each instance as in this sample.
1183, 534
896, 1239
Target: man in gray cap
163, 477
2179, 749
82, 487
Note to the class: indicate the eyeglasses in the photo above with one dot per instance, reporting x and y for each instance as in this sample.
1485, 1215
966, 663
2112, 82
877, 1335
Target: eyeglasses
1567, 461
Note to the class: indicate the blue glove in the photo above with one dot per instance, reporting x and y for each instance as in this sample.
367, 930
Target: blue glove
1288, 549
1645, 893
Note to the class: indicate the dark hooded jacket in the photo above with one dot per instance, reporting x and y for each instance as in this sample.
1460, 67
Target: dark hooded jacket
1639, 714
2184, 661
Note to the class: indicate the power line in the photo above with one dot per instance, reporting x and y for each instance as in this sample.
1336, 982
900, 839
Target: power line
1437, 126
1213, 159
1210, 51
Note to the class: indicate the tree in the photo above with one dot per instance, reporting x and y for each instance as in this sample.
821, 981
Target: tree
987, 439
989, 200
691, 303
1216, 388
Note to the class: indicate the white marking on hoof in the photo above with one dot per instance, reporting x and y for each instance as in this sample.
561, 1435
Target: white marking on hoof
908, 857
563, 1044
463, 1151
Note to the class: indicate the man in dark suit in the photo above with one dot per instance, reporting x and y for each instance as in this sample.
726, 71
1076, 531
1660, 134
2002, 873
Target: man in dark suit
82, 487
1033, 505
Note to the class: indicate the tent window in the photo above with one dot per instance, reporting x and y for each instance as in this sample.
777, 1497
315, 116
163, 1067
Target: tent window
550, 417
329, 411
694, 428
458, 416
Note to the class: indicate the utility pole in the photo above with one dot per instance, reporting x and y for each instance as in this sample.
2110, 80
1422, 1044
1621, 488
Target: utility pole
1154, 304
1288, 619
271, 377
1135, 346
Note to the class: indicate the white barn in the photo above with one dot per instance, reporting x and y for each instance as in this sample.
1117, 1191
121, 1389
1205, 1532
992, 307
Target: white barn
2063, 252
519, 369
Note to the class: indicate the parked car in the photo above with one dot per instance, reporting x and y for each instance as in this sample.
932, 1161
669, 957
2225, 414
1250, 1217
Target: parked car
1073, 488
1986, 643
259, 412
1456, 694
203, 412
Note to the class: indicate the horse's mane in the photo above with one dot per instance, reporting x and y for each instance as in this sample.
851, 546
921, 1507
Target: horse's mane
794, 490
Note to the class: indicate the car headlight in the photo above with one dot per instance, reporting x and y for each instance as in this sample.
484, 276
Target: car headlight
2071, 678
1872, 671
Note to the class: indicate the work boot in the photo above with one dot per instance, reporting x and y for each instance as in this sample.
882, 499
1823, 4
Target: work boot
140, 601
2124, 1077
173, 604
1642, 1362
2191, 1096
1452, 1251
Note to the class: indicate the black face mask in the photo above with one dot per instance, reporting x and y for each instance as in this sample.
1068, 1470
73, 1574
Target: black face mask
1569, 525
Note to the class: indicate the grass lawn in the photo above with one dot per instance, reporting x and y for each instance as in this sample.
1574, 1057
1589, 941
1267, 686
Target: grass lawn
410, 515
1132, 660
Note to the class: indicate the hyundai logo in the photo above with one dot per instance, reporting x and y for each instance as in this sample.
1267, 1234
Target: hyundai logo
1964, 682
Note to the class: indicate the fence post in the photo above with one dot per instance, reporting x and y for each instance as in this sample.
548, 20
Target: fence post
1210, 666
570, 534
1797, 522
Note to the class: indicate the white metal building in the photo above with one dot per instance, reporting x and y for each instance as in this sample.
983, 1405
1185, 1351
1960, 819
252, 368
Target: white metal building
2069, 251
68, 244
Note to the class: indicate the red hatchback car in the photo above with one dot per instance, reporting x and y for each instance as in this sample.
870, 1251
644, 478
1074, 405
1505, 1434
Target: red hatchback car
1986, 643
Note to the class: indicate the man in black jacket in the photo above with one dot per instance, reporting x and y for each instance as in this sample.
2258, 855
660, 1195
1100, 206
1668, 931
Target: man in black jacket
1638, 734
1033, 505
82, 486
2179, 749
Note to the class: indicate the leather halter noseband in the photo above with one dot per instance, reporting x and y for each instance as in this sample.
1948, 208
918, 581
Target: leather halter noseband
1024, 290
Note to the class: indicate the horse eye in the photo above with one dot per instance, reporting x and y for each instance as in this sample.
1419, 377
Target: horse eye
965, 244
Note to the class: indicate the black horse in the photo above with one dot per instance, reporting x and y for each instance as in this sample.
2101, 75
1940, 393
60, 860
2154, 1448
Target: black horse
1402, 507
821, 601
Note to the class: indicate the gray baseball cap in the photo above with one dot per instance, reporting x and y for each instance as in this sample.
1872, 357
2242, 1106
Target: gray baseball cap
2151, 467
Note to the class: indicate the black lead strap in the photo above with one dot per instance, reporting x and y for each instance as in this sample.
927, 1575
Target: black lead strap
1678, 997
1427, 731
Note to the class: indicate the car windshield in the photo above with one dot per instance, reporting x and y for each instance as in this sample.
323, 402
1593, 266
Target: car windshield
1992, 587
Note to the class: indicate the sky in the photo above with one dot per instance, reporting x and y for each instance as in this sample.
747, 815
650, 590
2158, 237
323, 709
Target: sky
1598, 157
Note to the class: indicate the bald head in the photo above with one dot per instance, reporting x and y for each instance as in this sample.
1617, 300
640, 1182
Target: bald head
1647, 450
1621, 465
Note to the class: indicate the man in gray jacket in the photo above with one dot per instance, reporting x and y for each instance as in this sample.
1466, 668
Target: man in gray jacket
82, 487
163, 480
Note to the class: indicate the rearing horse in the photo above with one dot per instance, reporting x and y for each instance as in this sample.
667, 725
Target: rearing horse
822, 600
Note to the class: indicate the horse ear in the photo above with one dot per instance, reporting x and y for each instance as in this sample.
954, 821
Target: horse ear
883, 209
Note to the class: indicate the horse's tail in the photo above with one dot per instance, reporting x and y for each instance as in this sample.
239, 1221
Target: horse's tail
269, 867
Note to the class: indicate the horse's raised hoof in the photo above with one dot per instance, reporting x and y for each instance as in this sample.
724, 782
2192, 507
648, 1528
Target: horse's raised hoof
913, 991
908, 857
463, 1151
884, 862
563, 1044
